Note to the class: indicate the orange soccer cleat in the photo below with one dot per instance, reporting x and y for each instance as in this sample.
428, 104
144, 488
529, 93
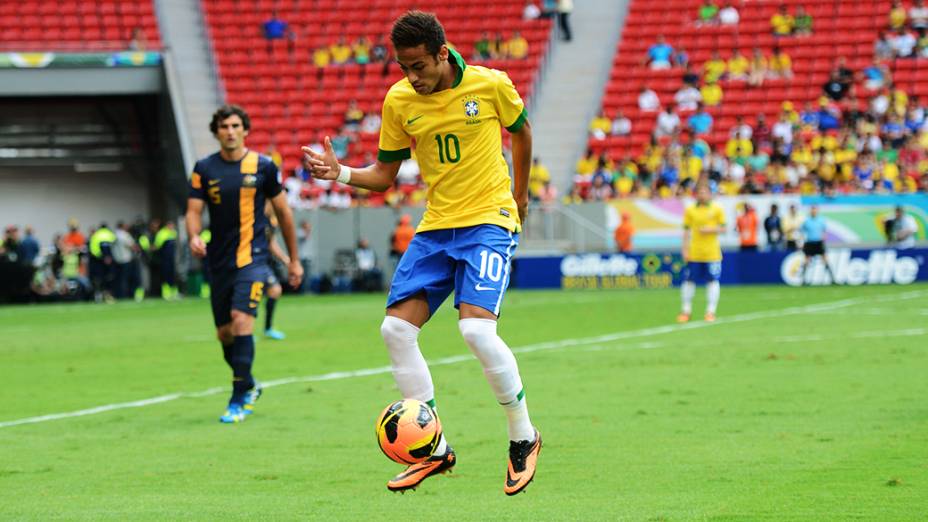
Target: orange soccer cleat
416, 473
522, 457
709, 317
683, 317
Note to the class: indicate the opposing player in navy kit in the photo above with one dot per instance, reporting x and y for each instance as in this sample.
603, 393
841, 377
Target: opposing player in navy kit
234, 184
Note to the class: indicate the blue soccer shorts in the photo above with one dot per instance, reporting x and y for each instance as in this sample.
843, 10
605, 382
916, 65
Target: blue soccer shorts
474, 262
239, 290
697, 272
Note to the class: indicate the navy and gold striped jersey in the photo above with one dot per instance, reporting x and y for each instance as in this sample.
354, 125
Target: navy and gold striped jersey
235, 193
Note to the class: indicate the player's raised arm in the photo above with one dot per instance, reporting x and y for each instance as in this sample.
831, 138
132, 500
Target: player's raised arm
521, 166
287, 228
377, 177
194, 223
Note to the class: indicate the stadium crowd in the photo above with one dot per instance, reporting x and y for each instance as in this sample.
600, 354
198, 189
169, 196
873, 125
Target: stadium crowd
149, 259
132, 260
864, 134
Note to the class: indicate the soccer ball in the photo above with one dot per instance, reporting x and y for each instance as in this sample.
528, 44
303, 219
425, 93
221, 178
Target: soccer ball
408, 431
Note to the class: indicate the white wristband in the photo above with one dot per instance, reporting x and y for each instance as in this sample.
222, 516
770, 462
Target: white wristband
344, 175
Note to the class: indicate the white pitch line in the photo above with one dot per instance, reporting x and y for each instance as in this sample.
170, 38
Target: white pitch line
551, 345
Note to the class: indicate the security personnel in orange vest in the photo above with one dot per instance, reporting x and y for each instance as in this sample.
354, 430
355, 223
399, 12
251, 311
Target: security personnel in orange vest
747, 229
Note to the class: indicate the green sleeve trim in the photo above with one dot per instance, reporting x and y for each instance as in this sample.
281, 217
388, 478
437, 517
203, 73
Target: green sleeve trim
519, 123
389, 156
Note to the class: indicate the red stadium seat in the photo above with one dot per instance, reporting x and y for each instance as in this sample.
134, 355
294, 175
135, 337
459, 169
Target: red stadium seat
314, 100
44, 25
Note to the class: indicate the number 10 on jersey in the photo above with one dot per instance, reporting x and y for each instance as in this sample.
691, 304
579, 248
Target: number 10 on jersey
449, 148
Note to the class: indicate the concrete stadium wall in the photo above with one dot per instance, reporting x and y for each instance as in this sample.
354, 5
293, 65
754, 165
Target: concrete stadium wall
46, 199
93, 81
335, 230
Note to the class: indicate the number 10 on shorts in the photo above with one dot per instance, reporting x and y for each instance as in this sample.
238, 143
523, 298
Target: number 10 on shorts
491, 266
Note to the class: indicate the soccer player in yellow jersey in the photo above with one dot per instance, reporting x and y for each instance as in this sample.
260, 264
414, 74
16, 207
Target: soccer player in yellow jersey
453, 112
702, 224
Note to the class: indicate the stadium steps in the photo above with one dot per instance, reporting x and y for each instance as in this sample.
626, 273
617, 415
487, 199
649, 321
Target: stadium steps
183, 30
573, 84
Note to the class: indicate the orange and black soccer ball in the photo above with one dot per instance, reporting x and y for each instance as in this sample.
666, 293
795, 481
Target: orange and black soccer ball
408, 431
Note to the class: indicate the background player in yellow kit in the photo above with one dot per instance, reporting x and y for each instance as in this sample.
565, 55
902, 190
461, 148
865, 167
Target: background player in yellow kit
702, 224
471, 226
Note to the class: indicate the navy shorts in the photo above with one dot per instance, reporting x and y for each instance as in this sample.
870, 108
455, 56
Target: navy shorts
813, 248
240, 290
474, 262
697, 272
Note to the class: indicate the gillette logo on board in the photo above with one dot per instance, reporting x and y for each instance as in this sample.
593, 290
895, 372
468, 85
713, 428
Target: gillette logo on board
597, 265
882, 267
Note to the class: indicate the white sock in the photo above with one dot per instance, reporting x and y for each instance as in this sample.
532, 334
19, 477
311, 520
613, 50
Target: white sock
687, 291
713, 289
409, 368
502, 372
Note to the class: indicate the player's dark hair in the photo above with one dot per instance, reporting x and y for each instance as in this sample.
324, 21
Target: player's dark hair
226, 111
416, 28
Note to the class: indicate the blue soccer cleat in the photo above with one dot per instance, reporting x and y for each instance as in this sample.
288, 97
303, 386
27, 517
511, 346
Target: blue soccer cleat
251, 397
234, 414
276, 335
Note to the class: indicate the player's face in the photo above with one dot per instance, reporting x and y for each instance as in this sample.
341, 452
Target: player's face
231, 133
703, 195
423, 70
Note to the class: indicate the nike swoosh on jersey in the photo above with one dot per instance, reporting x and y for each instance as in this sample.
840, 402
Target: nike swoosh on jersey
410, 121
480, 287
213, 181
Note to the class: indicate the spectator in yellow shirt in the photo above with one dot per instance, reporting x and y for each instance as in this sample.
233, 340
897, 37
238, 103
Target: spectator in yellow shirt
601, 126
714, 69
802, 155
899, 100
537, 177
518, 46
789, 109
758, 68
498, 48
738, 66
782, 22
711, 94
781, 66
587, 164
362, 51
321, 57
275, 155
341, 52
738, 149
897, 16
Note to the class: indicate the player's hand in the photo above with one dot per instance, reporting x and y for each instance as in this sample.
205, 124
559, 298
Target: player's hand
294, 273
323, 165
197, 247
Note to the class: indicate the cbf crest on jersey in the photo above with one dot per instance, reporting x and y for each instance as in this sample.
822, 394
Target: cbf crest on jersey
471, 109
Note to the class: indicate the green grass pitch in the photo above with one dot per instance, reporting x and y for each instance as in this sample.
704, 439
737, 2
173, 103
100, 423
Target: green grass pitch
799, 404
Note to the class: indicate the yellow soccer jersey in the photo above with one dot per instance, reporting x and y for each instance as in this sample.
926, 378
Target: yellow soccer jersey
458, 145
704, 248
